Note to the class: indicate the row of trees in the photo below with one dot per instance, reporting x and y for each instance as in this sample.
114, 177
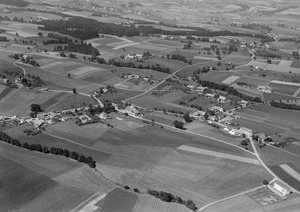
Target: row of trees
168, 197
179, 57
285, 106
130, 64
17, 3
86, 28
53, 150
229, 90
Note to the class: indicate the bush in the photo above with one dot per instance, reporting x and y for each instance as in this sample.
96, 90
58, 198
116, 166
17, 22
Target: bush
265, 182
136, 190
126, 187
244, 142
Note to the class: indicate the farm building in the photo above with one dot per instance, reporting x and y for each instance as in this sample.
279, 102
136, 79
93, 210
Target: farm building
84, 118
210, 95
217, 109
247, 132
222, 99
244, 103
190, 87
132, 111
201, 89
280, 188
198, 115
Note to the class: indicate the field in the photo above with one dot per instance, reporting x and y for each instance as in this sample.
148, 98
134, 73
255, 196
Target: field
17, 102
27, 185
147, 203
119, 200
283, 89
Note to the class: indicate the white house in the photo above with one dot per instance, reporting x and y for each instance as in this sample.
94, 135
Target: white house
190, 87
130, 56
139, 56
217, 109
132, 111
210, 95
201, 89
244, 103
198, 115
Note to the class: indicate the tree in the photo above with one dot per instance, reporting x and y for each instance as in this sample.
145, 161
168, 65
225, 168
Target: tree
265, 182
74, 91
36, 108
244, 142
178, 124
187, 117
40, 34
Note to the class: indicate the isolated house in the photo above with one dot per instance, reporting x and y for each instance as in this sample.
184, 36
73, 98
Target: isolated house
244, 103
201, 89
130, 56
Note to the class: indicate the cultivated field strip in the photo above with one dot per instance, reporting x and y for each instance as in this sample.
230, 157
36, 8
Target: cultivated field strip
218, 154
230, 80
290, 171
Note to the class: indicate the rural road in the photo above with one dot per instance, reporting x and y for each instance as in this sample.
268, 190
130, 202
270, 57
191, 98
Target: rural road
161, 82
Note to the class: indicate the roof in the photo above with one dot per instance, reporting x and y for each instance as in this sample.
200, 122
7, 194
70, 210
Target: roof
283, 185
246, 129
222, 98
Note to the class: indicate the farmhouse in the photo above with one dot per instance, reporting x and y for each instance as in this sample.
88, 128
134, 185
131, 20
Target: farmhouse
36, 122
280, 188
247, 132
244, 103
235, 132
190, 87
84, 118
198, 115
130, 56
217, 109
222, 99
132, 111
210, 95
201, 89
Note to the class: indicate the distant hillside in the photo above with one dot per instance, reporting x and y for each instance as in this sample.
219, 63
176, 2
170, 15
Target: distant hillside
17, 3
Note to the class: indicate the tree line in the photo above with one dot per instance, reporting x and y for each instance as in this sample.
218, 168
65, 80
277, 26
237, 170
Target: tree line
285, 106
130, 64
168, 197
17, 3
229, 90
53, 150
86, 28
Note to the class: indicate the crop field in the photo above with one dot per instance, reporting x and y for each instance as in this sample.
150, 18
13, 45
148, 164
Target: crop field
280, 115
68, 101
295, 64
18, 102
58, 81
259, 126
215, 76
26, 189
276, 96
285, 63
119, 200
286, 177
165, 43
4, 91
253, 80
230, 79
283, 89
147, 203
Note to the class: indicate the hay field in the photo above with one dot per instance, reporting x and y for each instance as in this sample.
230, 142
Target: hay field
285, 63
